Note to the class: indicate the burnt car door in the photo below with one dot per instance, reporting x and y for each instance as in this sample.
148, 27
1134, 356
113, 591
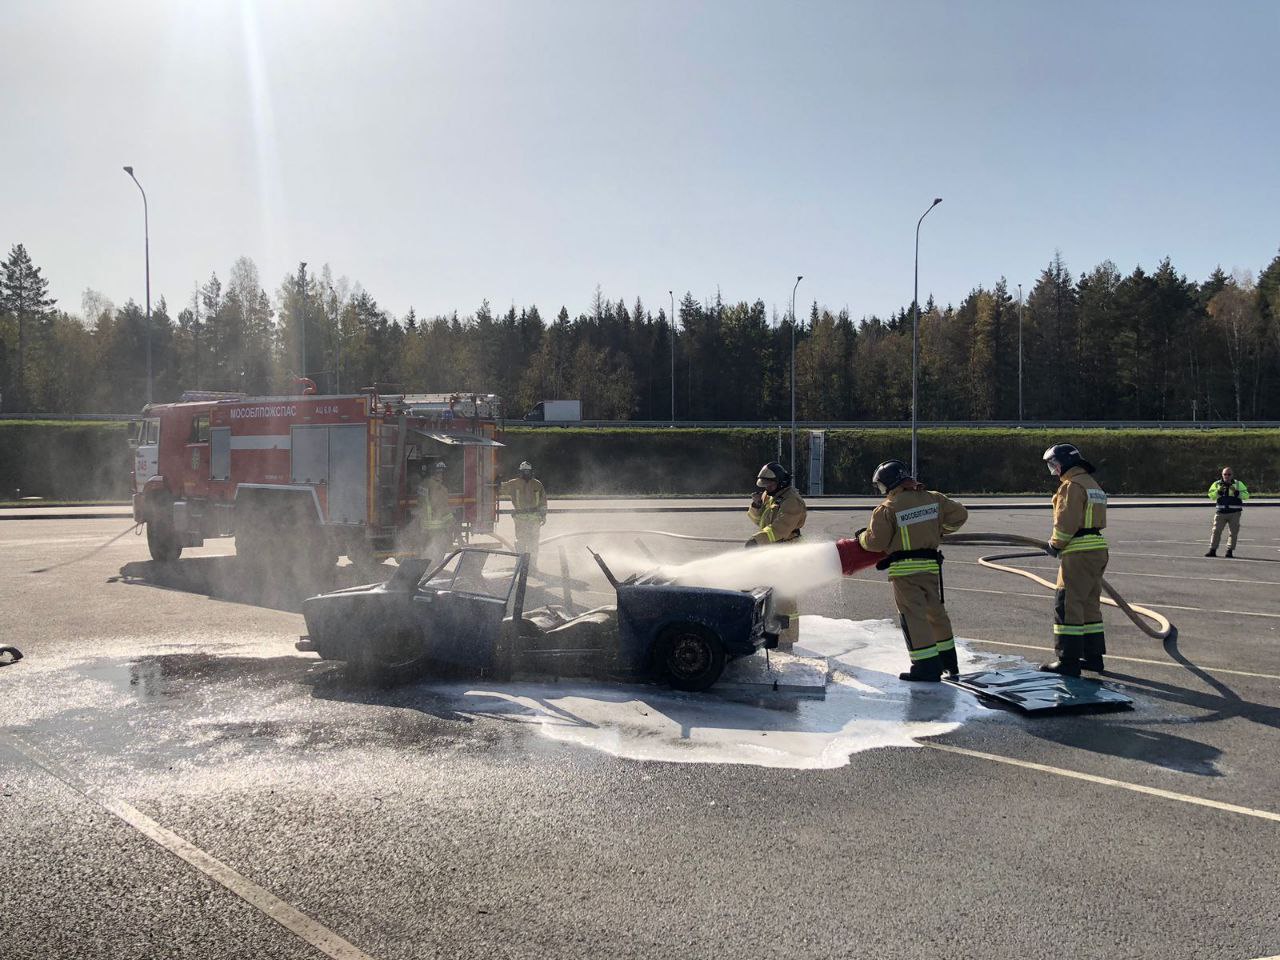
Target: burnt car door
463, 603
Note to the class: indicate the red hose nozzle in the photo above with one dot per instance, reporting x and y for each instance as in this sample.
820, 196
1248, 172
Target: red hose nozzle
854, 557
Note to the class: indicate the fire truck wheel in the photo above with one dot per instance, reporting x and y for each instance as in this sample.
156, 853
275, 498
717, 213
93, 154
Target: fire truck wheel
162, 541
249, 548
319, 555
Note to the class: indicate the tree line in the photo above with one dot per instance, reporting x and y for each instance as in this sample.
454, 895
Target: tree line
1095, 346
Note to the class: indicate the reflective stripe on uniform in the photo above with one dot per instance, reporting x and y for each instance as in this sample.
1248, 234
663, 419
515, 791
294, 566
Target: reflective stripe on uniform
1068, 630
1090, 541
1091, 628
905, 568
945, 645
924, 653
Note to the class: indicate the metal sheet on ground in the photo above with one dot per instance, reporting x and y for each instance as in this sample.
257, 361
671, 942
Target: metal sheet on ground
782, 673
1034, 691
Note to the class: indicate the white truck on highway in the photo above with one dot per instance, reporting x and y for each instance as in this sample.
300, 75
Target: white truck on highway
556, 411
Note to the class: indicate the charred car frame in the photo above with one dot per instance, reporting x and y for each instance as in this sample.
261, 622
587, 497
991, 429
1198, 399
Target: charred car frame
466, 615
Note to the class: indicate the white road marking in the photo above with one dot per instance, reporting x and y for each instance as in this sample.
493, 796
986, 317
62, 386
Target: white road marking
1158, 663
289, 917
1175, 556
1126, 573
1192, 543
1107, 781
46, 541
1234, 613
1044, 596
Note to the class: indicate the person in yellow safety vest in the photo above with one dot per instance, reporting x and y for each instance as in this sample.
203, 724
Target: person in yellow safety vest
1079, 517
439, 525
778, 513
909, 525
1229, 495
529, 510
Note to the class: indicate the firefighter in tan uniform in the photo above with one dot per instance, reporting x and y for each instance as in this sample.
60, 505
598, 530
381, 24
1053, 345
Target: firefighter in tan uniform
778, 512
909, 526
1079, 516
529, 510
439, 525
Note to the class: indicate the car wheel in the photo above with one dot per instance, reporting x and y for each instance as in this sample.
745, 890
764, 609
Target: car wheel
402, 655
690, 657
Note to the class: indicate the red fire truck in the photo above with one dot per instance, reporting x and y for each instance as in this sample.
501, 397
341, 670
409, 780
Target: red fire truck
317, 476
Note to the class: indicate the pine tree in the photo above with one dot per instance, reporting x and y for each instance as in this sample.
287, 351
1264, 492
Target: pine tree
23, 295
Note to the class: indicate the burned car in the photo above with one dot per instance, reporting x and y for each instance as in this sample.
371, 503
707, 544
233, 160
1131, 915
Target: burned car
466, 616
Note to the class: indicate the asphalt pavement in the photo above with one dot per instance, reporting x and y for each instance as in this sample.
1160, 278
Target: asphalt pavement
178, 780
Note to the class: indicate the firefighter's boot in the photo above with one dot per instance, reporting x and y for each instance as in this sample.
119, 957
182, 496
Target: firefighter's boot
1068, 662
1230, 553
928, 670
950, 662
1092, 647
1212, 552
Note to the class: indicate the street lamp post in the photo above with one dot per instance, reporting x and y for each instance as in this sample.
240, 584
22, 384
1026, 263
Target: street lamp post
146, 248
1019, 353
793, 375
672, 295
337, 334
915, 340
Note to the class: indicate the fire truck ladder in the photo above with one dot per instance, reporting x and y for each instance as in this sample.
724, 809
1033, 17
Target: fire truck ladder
391, 444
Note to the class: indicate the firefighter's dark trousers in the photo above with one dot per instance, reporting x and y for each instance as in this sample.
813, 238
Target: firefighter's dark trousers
925, 623
1229, 522
1077, 607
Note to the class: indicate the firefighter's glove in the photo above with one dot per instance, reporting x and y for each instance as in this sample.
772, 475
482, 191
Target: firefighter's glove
753, 542
1053, 551
757, 500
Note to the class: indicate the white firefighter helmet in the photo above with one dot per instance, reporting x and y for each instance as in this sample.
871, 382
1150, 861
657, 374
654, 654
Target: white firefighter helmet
525, 467
773, 471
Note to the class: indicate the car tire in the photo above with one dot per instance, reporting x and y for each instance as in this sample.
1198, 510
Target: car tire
689, 656
401, 657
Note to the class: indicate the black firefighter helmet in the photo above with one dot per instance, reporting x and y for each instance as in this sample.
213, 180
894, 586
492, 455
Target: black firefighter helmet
1061, 457
773, 471
890, 474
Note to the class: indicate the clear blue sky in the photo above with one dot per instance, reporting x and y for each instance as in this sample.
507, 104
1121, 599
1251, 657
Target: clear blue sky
526, 151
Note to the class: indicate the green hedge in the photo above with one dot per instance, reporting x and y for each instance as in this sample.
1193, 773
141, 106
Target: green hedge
580, 461
64, 461
91, 460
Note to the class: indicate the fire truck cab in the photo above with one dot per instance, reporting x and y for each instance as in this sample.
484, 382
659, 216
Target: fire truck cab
317, 476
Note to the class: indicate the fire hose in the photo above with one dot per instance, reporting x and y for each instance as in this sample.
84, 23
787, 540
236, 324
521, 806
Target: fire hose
1164, 631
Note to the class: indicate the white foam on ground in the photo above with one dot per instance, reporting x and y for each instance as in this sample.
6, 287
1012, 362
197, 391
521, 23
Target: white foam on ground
866, 707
